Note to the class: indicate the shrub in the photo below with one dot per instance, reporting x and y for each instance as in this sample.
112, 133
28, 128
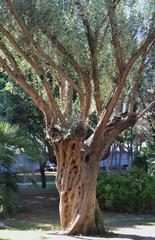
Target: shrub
132, 192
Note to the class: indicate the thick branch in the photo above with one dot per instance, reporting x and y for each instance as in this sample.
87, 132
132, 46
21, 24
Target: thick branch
14, 43
134, 87
117, 46
89, 35
112, 130
141, 50
149, 116
149, 40
110, 15
52, 103
83, 76
92, 44
69, 98
20, 22
87, 100
95, 77
103, 37
93, 51
88, 31
63, 74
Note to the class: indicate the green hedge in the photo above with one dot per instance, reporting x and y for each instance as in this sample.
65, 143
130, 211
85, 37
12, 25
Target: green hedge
132, 192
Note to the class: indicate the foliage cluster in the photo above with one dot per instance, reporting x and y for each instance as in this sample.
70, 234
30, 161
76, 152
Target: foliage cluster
132, 192
145, 158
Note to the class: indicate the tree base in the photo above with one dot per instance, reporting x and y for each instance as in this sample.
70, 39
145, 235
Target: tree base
76, 183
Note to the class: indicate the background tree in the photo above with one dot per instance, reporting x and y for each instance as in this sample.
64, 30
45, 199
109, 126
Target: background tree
93, 56
17, 108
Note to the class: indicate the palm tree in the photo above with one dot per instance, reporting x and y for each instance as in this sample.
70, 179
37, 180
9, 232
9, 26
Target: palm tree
11, 138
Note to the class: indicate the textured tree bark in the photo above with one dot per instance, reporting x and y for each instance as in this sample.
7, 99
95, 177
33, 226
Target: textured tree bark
76, 183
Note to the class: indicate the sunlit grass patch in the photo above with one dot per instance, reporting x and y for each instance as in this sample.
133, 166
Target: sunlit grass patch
34, 227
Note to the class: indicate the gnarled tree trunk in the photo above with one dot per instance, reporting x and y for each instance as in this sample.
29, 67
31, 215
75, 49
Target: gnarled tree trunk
78, 161
76, 183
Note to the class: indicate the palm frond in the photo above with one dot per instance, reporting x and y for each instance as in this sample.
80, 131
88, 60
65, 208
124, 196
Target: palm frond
13, 137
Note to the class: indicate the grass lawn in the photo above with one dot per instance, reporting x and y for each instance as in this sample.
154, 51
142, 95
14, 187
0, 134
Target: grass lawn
29, 177
36, 209
37, 213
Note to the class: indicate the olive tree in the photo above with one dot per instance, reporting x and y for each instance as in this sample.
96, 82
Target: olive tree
82, 57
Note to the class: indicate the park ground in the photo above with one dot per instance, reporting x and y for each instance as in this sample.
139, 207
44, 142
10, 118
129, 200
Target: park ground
37, 218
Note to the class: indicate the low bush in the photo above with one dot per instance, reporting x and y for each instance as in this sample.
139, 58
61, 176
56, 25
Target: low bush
132, 192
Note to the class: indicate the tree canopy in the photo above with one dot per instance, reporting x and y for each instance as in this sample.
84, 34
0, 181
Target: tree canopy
63, 54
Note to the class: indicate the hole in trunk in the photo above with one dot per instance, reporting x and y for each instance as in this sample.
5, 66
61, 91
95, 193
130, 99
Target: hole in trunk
73, 162
73, 146
87, 158
59, 182
61, 173
65, 197
72, 196
64, 154
79, 190
75, 170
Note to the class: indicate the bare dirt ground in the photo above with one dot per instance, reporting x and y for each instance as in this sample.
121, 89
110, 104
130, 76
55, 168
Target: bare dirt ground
37, 218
